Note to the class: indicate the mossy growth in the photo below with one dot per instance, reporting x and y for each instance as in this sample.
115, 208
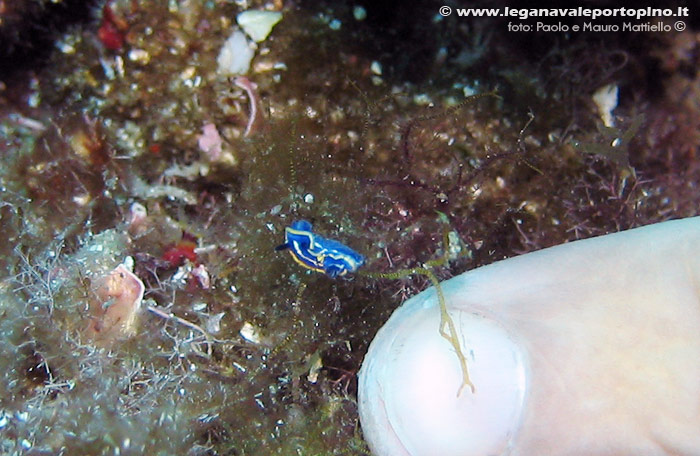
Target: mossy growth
243, 352
615, 143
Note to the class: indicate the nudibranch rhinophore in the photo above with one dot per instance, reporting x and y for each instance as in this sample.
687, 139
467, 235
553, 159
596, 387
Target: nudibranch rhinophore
319, 254
588, 348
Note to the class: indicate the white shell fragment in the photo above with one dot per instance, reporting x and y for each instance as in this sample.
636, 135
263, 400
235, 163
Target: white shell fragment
235, 55
589, 348
258, 24
606, 99
214, 323
251, 333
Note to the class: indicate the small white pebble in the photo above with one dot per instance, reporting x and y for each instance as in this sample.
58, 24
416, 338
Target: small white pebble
235, 55
250, 333
311, 113
214, 323
188, 73
359, 13
263, 66
468, 91
82, 200
422, 99
258, 24
129, 263
376, 68
66, 48
308, 198
34, 100
139, 56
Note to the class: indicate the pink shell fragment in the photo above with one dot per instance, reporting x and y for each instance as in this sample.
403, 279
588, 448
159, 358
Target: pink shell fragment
210, 142
118, 297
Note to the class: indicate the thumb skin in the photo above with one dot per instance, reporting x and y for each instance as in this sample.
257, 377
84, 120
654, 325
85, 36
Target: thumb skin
587, 348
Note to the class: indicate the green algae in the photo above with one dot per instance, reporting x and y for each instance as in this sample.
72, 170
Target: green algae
362, 158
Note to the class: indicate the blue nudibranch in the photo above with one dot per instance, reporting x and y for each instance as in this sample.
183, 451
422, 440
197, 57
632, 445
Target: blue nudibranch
318, 253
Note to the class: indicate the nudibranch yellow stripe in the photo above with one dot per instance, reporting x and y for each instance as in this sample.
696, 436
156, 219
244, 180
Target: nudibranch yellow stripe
318, 253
